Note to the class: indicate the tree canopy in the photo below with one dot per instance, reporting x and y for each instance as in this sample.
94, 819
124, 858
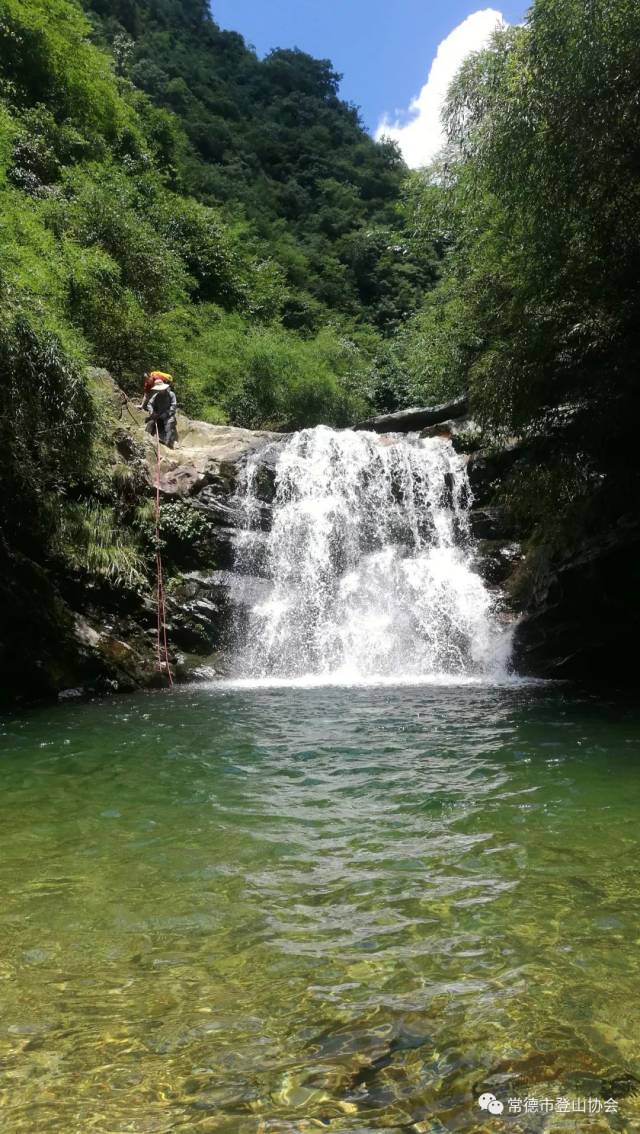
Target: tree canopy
272, 140
534, 205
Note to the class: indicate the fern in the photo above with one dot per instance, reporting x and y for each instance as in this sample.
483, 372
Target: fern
92, 541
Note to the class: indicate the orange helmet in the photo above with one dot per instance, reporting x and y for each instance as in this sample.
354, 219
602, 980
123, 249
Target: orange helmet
156, 376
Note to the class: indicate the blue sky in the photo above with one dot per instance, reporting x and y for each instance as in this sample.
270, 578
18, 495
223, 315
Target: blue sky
384, 50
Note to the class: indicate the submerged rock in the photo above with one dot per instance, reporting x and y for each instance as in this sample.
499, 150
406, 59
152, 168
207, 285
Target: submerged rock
191, 667
75, 694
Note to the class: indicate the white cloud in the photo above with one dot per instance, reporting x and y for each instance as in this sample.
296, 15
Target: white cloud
422, 136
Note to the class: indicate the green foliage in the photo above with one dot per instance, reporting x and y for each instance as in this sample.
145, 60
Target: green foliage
535, 211
435, 349
103, 212
468, 441
261, 375
198, 238
181, 526
323, 379
185, 536
45, 431
92, 541
272, 141
253, 276
47, 61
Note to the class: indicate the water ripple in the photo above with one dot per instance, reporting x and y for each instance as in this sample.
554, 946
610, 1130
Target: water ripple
282, 910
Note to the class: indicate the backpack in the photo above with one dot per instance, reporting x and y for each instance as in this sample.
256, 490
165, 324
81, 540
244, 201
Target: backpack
161, 402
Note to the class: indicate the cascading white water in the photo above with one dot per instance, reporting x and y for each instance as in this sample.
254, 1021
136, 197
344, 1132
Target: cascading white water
367, 566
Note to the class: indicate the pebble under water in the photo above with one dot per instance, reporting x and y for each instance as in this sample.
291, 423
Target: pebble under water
289, 910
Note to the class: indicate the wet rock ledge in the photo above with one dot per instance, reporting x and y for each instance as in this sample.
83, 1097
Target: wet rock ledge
110, 640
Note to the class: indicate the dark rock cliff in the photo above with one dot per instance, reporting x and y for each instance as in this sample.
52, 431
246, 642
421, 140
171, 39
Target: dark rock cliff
577, 611
581, 609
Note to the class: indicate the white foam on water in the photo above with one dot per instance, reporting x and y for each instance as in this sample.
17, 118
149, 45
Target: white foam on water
342, 681
369, 566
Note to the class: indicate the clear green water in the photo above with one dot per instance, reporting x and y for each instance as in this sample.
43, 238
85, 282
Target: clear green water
294, 910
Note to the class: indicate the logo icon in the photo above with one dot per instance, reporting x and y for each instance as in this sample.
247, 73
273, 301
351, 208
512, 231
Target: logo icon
489, 1102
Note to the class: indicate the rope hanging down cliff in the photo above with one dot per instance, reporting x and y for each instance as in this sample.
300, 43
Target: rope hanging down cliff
162, 645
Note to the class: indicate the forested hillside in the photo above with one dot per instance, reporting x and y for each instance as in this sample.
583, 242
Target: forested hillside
273, 141
264, 269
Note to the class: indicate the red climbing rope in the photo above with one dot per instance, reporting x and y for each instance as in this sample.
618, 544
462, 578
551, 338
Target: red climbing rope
162, 644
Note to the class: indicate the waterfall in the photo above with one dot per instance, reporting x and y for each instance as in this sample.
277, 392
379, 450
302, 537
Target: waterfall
366, 566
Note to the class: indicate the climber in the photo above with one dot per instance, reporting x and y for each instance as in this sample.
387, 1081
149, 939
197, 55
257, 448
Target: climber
161, 405
149, 379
